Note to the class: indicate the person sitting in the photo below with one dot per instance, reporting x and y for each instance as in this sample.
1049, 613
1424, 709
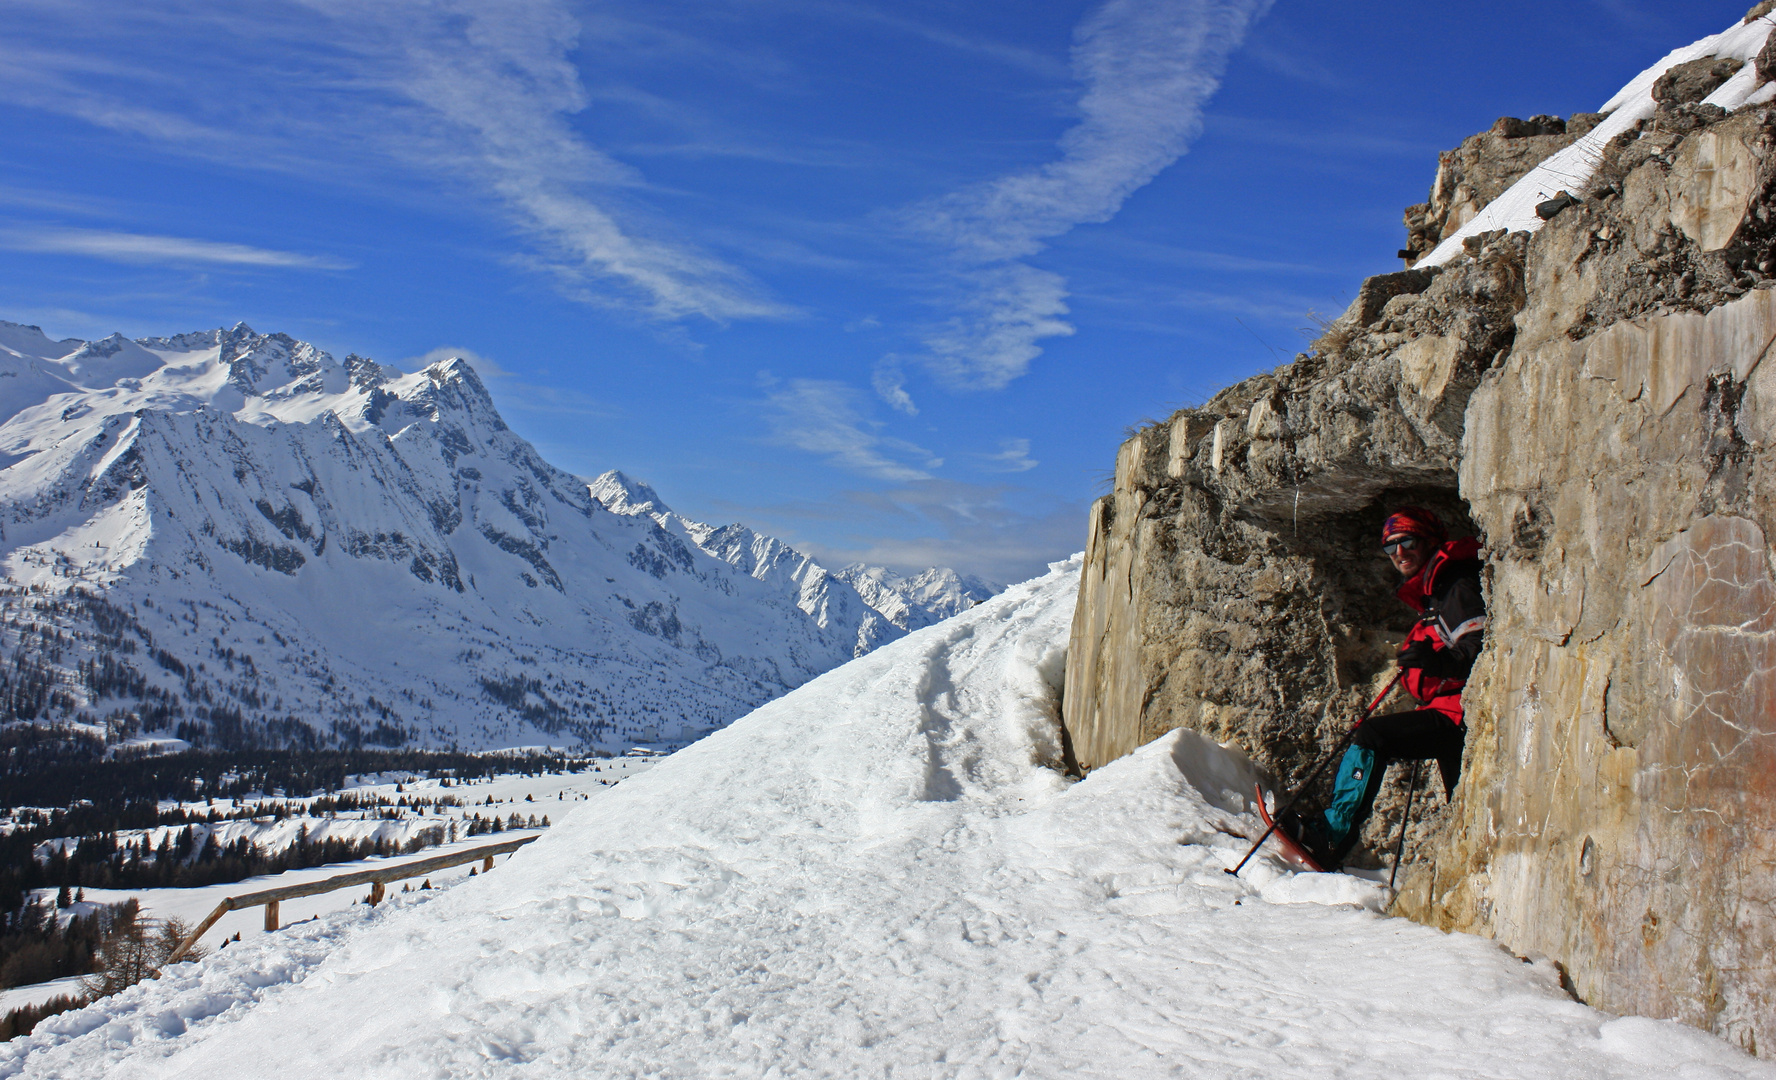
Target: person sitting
1442, 584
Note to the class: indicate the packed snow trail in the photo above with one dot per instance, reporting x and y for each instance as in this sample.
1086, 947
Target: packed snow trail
877, 876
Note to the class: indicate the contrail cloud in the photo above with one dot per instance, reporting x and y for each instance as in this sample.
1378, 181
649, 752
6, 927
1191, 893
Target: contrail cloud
1148, 68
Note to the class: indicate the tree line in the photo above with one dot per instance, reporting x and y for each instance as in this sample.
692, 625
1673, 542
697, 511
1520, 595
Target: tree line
39, 767
114, 946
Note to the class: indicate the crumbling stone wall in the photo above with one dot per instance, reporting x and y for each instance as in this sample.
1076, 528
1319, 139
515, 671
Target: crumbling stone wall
1234, 582
1596, 402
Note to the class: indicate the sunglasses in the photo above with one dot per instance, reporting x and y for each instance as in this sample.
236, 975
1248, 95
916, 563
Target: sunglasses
1404, 543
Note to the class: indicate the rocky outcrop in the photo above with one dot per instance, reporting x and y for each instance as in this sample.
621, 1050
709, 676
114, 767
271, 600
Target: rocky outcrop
1619, 811
1480, 169
1595, 402
1233, 581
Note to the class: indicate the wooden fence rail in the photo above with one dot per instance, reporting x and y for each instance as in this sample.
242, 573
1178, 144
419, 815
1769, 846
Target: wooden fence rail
376, 879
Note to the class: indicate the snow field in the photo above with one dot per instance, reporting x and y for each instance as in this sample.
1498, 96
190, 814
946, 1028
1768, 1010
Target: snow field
37, 993
1570, 169
877, 875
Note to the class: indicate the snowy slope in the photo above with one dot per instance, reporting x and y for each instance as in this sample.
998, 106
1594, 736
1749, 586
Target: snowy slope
872, 603
1570, 169
234, 536
876, 875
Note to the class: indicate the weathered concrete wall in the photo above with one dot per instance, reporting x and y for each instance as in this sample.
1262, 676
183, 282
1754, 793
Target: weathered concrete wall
1602, 392
1619, 812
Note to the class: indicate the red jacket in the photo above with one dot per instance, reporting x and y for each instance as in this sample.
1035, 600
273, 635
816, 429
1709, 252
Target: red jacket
1452, 618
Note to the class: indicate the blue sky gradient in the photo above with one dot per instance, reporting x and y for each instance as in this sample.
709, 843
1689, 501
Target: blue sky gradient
889, 280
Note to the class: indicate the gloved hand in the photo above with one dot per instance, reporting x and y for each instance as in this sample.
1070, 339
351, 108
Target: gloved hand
1437, 663
1419, 654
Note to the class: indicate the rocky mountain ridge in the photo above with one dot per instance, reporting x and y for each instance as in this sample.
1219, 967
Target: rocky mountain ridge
1586, 391
234, 537
872, 603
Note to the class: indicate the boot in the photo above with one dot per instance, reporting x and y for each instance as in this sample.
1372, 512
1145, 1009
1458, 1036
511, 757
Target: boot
1310, 832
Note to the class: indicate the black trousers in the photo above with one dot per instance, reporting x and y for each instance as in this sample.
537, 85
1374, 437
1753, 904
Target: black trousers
1416, 735
1407, 736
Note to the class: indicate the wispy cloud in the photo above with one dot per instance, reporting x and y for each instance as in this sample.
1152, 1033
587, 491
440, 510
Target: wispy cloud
57, 202
998, 51
890, 385
498, 76
139, 248
475, 95
1148, 67
1128, 249
1283, 53
825, 417
1013, 457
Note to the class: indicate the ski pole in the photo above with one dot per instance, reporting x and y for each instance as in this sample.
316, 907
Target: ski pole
1314, 775
1405, 820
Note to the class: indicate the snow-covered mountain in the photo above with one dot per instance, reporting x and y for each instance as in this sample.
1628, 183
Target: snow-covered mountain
235, 536
872, 603
912, 603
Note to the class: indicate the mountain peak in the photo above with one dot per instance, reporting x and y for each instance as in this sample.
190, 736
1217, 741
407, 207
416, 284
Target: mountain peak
28, 340
372, 551
880, 603
310, 507
456, 370
623, 494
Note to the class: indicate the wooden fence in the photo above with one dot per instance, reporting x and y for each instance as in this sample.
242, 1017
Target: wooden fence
376, 879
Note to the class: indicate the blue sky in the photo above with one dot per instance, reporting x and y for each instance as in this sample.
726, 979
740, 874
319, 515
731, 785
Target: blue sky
887, 279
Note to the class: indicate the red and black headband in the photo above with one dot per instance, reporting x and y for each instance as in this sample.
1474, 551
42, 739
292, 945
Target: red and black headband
1413, 521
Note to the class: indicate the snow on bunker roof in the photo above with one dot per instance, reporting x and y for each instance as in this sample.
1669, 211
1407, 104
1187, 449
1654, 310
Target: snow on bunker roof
1570, 169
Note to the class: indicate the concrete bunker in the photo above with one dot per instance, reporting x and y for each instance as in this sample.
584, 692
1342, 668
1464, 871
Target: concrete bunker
1606, 392
1264, 623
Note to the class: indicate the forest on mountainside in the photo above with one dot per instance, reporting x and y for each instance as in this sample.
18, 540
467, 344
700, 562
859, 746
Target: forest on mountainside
58, 786
62, 765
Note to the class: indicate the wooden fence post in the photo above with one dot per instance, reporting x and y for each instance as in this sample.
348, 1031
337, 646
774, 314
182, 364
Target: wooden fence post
487, 864
377, 880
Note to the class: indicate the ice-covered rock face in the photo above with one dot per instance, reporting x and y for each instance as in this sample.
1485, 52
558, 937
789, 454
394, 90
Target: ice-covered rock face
242, 538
